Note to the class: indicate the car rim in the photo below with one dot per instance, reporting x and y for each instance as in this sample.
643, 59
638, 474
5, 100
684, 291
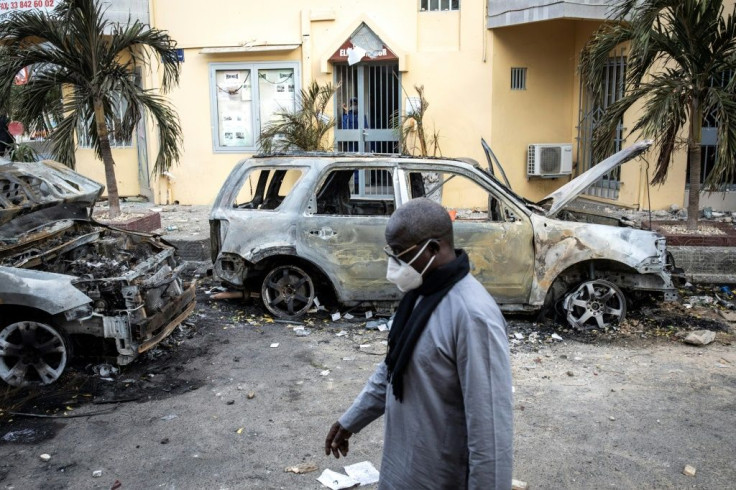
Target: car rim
31, 353
595, 305
288, 291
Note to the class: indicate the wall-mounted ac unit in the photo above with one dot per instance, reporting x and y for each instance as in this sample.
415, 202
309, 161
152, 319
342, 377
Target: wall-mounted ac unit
549, 160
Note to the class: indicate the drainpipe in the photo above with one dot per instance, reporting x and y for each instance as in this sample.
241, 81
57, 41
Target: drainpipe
306, 48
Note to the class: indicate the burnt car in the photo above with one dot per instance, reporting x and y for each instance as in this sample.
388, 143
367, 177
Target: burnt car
290, 228
69, 284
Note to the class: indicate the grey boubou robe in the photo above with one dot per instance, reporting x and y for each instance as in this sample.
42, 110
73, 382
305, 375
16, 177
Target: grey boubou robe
454, 427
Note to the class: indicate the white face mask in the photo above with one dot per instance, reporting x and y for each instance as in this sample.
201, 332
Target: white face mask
404, 275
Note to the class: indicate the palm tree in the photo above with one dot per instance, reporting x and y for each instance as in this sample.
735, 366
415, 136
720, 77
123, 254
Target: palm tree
305, 127
676, 49
94, 61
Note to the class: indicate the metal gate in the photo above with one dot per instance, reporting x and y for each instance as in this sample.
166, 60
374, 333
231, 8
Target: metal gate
367, 101
591, 112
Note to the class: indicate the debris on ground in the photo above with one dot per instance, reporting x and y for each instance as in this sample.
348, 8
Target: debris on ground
45, 457
364, 473
105, 371
301, 468
519, 485
97, 473
336, 481
700, 337
688, 470
227, 295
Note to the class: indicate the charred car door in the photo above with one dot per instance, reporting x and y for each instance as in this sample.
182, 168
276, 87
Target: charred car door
497, 235
343, 229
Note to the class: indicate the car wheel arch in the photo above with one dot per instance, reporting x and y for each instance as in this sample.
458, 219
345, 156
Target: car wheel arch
323, 284
579, 272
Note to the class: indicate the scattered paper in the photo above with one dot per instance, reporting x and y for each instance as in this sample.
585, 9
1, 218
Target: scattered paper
336, 481
274, 345
382, 327
336, 316
364, 472
348, 316
326, 372
368, 315
341, 333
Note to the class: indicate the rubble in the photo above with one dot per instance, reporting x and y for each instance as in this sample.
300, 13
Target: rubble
301, 468
700, 337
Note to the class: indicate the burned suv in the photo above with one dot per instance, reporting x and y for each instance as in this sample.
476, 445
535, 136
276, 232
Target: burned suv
69, 283
290, 228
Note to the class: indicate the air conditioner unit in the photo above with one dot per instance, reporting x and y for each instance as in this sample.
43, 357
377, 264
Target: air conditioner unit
549, 160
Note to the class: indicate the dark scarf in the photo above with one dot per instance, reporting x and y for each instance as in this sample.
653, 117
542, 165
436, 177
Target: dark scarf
409, 322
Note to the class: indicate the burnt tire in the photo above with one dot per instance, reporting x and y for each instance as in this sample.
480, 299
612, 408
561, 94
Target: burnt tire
595, 305
287, 291
32, 353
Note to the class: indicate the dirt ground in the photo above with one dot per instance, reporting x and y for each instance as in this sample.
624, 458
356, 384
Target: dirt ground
219, 406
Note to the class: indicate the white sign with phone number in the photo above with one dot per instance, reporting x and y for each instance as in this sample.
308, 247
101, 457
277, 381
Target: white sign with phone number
22, 5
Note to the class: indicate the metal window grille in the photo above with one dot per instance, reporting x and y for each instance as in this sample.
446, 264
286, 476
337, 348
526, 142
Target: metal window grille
518, 78
113, 121
591, 112
438, 5
709, 138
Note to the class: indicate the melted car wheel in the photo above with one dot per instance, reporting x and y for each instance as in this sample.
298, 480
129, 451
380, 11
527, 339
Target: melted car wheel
595, 305
287, 291
31, 353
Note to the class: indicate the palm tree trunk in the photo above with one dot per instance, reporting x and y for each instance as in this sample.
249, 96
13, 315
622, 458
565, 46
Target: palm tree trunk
693, 155
104, 138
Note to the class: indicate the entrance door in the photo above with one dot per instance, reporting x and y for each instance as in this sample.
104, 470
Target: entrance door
367, 103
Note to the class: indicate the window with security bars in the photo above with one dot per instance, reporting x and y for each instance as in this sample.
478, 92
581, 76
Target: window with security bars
438, 5
591, 112
518, 78
114, 122
709, 136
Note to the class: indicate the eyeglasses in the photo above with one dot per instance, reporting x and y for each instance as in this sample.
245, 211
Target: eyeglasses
390, 251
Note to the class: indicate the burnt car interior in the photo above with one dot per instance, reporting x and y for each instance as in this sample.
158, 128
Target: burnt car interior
341, 193
430, 185
266, 188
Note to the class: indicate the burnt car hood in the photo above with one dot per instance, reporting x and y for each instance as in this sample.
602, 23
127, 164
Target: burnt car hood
556, 201
61, 193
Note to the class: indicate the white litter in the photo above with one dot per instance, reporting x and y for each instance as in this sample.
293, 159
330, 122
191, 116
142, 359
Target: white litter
325, 372
364, 472
556, 337
336, 316
348, 316
336, 481
274, 345
368, 315
364, 346
519, 336
382, 327
45, 457
341, 333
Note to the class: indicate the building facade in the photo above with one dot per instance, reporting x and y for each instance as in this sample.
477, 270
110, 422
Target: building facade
504, 71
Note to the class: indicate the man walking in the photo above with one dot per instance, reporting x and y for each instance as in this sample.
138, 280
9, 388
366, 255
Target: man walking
445, 386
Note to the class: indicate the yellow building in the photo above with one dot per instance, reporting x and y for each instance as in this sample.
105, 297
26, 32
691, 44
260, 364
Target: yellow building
505, 71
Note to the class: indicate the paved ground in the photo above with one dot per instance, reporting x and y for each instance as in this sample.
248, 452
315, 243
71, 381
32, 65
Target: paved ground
217, 407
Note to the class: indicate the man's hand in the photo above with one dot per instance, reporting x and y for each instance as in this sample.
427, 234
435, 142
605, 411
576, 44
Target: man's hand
337, 441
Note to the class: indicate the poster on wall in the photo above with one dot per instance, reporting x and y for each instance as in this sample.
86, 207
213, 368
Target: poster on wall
7, 7
276, 93
234, 99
